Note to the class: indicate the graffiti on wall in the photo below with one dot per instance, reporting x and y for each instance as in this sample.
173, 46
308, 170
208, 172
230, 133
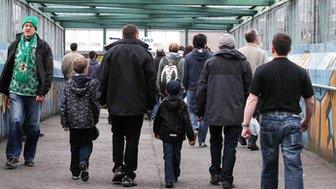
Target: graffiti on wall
321, 136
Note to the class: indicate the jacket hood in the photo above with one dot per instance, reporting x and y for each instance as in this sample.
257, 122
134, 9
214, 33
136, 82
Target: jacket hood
200, 54
173, 103
93, 62
79, 84
230, 54
173, 55
127, 41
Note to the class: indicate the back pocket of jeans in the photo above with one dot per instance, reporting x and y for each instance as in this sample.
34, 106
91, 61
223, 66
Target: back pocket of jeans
296, 139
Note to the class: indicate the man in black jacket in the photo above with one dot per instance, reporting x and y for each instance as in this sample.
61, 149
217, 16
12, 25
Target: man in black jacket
221, 94
128, 90
26, 79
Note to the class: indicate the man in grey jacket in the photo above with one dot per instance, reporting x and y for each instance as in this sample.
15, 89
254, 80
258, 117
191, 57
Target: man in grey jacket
68, 61
255, 56
221, 94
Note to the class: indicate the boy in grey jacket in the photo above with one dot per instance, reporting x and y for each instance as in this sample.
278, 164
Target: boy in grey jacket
80, 114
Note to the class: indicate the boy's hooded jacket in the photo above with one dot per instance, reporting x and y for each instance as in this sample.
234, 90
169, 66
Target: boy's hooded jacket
79, 103
172, 122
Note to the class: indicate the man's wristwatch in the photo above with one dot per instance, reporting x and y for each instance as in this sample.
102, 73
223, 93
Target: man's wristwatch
245, 125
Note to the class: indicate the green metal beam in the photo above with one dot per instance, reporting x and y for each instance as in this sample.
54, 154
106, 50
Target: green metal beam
149, 26
161, 2
149, 9
104, 19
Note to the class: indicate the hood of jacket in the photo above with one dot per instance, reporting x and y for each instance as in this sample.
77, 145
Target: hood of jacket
173, 103
173, 56
79, 84
93, 62
200, 54
127, 41
230, 54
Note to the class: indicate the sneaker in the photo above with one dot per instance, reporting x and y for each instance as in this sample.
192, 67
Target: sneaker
202, 145
84, 175
118, 176
215, 180
74, 177
29, 163
227, 185
252, 147
169, 185
242, 141
128, 181
12, 163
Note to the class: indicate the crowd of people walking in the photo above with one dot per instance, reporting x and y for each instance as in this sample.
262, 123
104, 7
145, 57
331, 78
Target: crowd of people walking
185, 93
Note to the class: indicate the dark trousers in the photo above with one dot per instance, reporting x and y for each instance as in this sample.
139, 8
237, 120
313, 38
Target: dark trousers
81, 148
228, 159
172, 160
128, 127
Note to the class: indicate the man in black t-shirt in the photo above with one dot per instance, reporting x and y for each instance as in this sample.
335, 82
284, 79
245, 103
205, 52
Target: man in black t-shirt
280, 84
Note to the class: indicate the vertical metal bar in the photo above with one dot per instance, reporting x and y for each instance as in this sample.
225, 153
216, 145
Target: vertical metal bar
104, 36
146, 31
186, 40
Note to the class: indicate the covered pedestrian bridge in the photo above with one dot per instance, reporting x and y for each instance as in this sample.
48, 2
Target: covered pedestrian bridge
313, 44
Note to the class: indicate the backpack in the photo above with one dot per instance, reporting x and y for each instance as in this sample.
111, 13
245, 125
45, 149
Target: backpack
170, 71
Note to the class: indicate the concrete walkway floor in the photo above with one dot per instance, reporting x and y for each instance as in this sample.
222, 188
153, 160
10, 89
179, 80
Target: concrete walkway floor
53, 160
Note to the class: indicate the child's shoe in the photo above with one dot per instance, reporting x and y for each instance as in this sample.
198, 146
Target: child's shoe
84, 173
118, 175
128, 181
169, 185
75, 177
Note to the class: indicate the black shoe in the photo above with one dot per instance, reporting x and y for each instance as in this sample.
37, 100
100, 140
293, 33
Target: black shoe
215, 180
227, 185
29, 163
118, 176
242, 141
176, 179
75, 177
84, 175
169, 185
12, 163
252, 147
128, 181
202, 145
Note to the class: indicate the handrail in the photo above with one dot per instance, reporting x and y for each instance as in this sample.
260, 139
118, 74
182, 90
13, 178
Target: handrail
324, 87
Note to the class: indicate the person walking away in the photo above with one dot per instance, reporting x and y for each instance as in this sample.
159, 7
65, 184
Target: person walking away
68, 60
94, 66
221, 94
26, 79
171, 124
192, 68
280, 84
255, 56
128, 90
170, 67
79, 115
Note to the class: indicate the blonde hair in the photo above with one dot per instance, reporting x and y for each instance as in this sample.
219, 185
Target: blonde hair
174, 47
80, 64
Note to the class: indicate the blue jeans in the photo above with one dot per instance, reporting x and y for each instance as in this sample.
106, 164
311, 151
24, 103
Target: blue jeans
172, 160
281, 128
23, 107
201, 127
228, 159
80, 147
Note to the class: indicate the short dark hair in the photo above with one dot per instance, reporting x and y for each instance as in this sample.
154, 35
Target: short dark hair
251, 35
160, 52
92, 54
181, 48
173, 47
80, 63
282, 44
130, 31
73, 46
187, 50
199, 41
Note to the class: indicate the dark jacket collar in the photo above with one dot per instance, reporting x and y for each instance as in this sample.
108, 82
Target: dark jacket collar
230, 54
127, 41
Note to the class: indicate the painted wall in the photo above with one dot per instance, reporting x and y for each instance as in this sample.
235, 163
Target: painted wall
320, 137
